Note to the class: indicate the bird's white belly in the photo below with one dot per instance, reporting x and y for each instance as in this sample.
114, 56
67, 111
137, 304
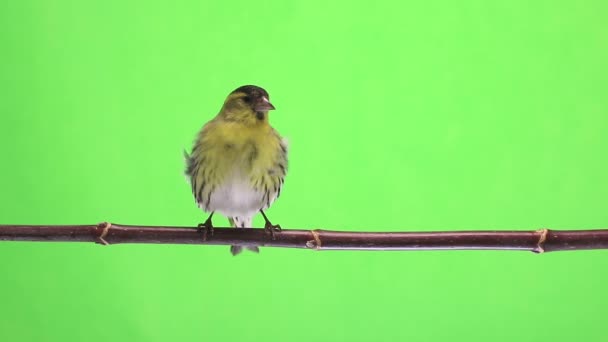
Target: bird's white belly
236, 198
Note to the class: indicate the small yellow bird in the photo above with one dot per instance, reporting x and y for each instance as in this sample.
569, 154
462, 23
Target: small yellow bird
238, 162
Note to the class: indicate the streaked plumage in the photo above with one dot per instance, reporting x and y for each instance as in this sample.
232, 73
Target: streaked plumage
238, 162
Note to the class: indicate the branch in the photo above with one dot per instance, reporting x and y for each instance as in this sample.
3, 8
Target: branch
539, 241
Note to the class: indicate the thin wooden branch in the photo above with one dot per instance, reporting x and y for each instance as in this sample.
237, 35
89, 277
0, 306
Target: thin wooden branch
543, 240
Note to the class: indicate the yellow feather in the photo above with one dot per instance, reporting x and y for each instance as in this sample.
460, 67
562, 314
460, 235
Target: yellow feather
235, 140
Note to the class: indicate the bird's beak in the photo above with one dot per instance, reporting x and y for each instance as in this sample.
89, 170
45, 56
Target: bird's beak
263, 105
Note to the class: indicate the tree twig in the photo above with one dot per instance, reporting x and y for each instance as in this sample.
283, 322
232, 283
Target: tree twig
538, 241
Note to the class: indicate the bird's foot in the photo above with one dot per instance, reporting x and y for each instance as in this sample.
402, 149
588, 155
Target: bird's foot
206, 229
272, 229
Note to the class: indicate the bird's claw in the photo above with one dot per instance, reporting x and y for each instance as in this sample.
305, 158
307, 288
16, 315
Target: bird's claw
272, 229
206, 229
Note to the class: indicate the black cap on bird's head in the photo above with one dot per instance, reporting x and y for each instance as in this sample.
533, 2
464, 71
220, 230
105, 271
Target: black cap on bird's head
257, 98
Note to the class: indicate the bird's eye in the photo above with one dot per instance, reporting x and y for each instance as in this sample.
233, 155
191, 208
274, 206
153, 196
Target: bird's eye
247, 99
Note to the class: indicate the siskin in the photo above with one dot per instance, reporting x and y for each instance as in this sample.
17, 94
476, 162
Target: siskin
238, 162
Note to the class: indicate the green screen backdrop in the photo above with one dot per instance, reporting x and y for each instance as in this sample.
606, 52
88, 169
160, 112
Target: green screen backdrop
434, 115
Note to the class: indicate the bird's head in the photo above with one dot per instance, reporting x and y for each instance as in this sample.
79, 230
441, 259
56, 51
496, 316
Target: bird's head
247, 104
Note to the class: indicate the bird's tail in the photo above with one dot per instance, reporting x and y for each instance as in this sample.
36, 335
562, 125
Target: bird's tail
242, 222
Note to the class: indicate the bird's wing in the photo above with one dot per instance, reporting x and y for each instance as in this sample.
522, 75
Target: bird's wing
198, 170
275, 177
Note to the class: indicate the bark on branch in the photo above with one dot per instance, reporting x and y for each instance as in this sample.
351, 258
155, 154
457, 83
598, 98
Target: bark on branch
538, 241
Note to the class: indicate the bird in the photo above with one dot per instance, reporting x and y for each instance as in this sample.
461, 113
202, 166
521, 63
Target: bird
238, 163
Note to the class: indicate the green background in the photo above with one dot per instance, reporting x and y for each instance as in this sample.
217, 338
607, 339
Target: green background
435, 115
